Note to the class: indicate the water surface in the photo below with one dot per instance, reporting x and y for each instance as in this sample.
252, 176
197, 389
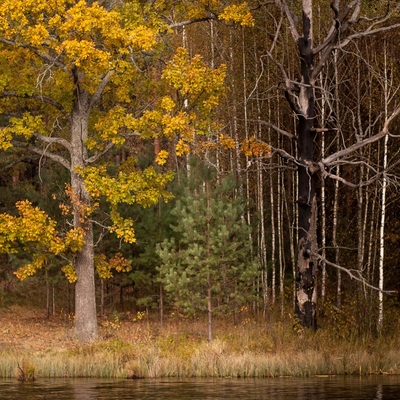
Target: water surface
319, 388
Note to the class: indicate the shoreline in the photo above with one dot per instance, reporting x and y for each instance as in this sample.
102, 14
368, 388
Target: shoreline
130, 349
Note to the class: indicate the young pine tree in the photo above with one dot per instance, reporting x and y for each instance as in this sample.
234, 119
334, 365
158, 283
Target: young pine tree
207, 265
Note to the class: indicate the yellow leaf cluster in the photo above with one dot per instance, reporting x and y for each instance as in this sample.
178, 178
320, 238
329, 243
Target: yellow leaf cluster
226, 142
31, 268
103, 268
182, 148
74, 240
118, 263
256, 148
25, 126
5, 139
192, 77
162, 157
116, 121
35, 232
70, 273
122, 227
175, 124
238, 13
129, 186
77, 34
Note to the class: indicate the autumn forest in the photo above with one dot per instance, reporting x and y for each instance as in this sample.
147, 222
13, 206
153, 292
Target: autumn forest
208, 159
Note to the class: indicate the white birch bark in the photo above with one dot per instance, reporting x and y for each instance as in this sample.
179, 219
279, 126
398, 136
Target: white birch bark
383, 201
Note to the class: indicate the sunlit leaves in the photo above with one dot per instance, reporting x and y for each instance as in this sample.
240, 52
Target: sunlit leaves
69, 272
162, 157
255, 148
129, 186
192, 77
112, 124
36, 233
54, 54
226, 142
105, 267
31, 268
26, 126
189, 111
122, 227
233, 13
238, 13
76, 34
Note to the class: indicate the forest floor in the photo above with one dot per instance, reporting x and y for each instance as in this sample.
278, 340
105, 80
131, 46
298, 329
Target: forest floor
30, 329
134, 345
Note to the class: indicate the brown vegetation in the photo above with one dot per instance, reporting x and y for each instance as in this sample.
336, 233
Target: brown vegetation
133, 345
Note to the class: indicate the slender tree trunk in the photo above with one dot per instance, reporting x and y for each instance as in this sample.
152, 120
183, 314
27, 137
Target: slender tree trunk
336, 190
383, 201
209, 288
102, 299
281, 250
273, 238
161, 305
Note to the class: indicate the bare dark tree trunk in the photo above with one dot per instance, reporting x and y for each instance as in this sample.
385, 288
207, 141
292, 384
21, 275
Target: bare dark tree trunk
305, 303
300, 93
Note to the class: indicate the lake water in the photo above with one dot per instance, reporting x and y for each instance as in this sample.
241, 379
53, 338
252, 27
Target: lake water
319, 388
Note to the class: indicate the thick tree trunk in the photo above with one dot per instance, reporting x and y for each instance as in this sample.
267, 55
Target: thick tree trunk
306, 294
85, 297
86, 329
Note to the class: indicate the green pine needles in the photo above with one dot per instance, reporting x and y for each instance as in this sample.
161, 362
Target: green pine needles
207, 265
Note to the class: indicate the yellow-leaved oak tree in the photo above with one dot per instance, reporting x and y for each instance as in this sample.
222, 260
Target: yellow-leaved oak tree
76, 81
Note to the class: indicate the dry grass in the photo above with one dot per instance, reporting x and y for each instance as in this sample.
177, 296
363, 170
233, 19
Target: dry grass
141, 348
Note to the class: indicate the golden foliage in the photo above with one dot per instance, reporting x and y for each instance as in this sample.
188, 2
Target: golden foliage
238, 13
118, 263
255, 148
36, 232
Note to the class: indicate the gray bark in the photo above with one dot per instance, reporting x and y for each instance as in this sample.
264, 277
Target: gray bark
85, 299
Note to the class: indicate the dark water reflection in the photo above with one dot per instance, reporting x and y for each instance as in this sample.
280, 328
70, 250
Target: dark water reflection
321, 388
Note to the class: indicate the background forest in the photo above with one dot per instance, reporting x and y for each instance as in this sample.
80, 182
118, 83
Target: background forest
220, 235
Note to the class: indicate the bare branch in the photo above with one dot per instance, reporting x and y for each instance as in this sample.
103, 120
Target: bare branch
328, 161
43, 56
353, 274
13, 163
291, 87
95, 157
44, 99
339, 27
100, 88
284, 155
191, 21
367, 33
54, 140
339, 178
54, 157
277, 129
291, 17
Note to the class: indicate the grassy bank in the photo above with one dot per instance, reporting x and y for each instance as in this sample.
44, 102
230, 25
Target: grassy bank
141, 348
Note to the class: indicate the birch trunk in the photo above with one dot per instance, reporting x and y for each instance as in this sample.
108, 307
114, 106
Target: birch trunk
383, 201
